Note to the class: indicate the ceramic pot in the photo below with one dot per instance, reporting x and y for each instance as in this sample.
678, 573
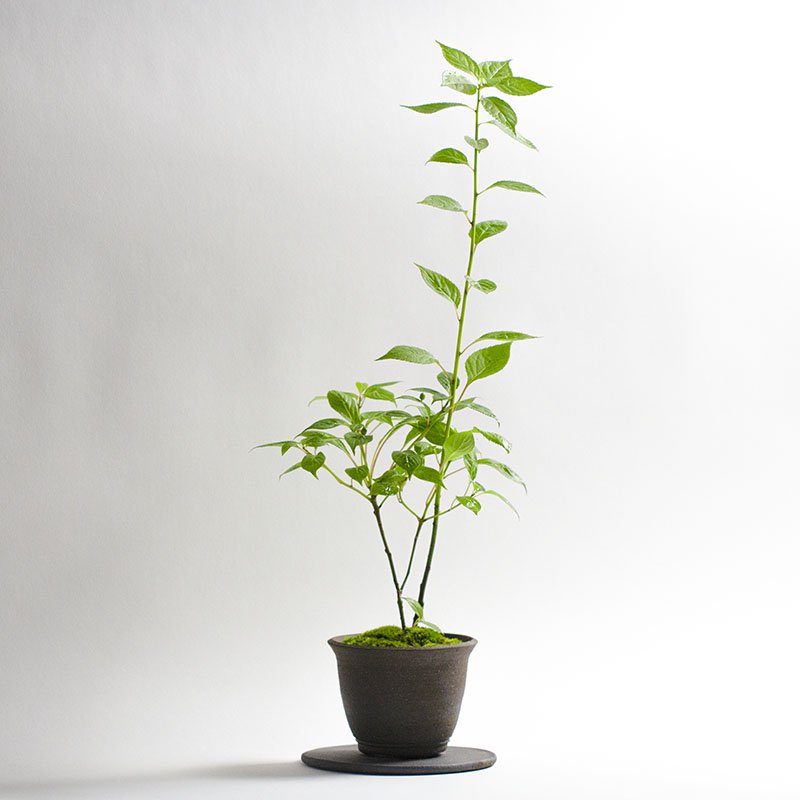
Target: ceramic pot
402, 701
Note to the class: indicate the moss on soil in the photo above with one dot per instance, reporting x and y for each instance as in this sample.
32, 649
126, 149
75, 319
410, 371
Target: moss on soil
392, 636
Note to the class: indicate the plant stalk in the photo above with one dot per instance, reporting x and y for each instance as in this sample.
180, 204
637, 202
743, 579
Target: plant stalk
376, 509
456, 359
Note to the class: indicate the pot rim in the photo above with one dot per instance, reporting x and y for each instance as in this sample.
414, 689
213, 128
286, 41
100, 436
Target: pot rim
466, 641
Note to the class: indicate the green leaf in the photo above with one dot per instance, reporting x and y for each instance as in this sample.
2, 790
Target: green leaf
361, 387
481, 144
505, 336
460, 60
298, 465
449, 155
513, 134
358, 474
486, 362
503, 469
487, 412
285, 445
414, 606
440, 284
434, 393
495, 438
493, 71
343, 403
443, 202
446, 380
514, 186
501, 111
357, 439
407, 460
405, 352
487, 228
425, 449
424, 623
518, 86
436, 432
458, 445
313, 463
471, 465
321, 439
325, 424
469, 502
504, 499
377, 392
483, 285
429, 474
452, 80
387, 485
432, 108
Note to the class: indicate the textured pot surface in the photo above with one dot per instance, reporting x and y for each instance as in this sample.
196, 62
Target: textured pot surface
402, 702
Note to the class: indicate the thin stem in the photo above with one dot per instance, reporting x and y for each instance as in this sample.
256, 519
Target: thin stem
420, 523
376, 510
457, 358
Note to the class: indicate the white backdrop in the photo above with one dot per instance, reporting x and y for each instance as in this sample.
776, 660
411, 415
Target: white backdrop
208, 216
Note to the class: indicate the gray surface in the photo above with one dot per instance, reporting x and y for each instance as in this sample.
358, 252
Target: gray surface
348, 758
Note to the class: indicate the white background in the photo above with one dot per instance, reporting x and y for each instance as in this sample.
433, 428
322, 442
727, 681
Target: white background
208, 216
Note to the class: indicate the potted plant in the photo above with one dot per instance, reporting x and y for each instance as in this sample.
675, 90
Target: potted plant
421, 448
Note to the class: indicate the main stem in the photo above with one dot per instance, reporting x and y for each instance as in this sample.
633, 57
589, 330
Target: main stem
376, 510
456, 358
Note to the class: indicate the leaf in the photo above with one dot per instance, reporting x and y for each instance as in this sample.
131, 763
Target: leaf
325, 424
291, 469
458, 445
505, 336
313, 463
487, 412
361, 387
449, 155
429, 474
440, 284
443, 202
321, 439
513, 134
471, 465
357, 439
493, 71
514, 186
414, 606
452, 80
434, 393
483, 285
495, 438
487, 228
357, 473
504, 499
432, 108
424, 623
503, 469
518, 86
460, 60
285, 445
501, 111
386, 486
343, 403
379, 393
481, 144
405, 352
446, 380
486, 362
407, 460
425, 449
436, 432
469, 502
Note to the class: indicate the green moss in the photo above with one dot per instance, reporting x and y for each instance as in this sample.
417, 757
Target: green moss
392, 636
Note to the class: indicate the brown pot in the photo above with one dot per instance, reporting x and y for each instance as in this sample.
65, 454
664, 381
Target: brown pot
402, 701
